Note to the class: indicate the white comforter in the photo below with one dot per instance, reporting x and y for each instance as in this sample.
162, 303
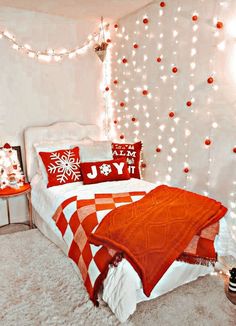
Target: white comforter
122, 286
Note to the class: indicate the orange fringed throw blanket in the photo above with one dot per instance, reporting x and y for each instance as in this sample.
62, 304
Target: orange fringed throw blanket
155, 230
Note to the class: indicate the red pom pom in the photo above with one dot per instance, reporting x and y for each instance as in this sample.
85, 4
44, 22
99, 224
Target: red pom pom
171, 114
108, 40
122, 136
207, 142
122, 104
135, 45
195, 18
107, 89
210, 80
234, 149
145, 21
174, 70
219, 25
116, 26
189, 103
186, 170
158, 150
145, 92
115, 81
143, 165
124, 60
133, 119
158, 59
115, 122
7, 146
162, 4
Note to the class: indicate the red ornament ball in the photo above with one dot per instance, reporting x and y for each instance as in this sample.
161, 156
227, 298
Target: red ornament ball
115, 122
115, 81
145, 21
133, 119
162, 4
122, 136
122, 104
174, 70
219, 25
158, 150
108, 40
234, 149
143, 165
158, 59
171, 114
124, 60
186, 170
145, 92
135, 45
116, 26
195, 18
207, 142
210, 80
107, 89
189, 103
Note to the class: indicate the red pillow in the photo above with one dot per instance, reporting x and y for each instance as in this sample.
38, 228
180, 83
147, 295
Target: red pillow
132, 153
112, 170
62, 166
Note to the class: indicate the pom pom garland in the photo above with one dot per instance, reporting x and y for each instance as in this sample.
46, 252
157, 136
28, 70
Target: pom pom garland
145, 92
207, 142
219, 25
210, 80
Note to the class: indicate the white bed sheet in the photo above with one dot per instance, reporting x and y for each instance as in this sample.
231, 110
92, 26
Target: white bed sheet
122, 287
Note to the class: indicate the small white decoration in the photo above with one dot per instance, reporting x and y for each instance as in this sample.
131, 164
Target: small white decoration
105, 169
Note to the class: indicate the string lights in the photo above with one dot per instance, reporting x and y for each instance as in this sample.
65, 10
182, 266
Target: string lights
50, 55
168, 90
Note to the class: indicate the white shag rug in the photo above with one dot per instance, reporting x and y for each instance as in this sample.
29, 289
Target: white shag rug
38, 286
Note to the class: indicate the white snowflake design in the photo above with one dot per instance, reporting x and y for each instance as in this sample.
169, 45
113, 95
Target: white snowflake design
66, 165
105, 169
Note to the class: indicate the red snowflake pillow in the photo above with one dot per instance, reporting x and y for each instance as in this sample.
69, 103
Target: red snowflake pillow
62, 166
112, 170
132, 153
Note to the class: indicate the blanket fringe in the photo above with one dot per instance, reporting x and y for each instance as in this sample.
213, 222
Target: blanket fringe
198, 260
116, 259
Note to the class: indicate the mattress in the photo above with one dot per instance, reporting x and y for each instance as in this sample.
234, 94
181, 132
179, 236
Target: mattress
122, 302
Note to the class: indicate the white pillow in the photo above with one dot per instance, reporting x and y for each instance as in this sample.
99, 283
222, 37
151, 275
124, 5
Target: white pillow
95, 151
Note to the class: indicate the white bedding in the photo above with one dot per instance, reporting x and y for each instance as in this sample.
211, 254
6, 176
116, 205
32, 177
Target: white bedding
122, 287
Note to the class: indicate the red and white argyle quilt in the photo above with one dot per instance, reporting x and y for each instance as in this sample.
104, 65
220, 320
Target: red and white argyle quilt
78, 218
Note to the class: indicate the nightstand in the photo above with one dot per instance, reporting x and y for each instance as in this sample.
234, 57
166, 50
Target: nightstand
7, 193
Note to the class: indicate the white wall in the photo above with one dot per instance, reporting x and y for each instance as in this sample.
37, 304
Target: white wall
192, 47
33, 93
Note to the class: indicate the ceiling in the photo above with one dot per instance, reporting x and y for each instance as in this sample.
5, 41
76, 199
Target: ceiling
79, 9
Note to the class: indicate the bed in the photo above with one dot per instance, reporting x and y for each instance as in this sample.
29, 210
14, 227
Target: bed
46, 200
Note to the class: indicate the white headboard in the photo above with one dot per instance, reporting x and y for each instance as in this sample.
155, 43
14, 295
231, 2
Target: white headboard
56, 131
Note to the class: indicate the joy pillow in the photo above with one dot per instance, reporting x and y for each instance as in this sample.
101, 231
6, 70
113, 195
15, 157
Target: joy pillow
112, 170
132, 153
62, 166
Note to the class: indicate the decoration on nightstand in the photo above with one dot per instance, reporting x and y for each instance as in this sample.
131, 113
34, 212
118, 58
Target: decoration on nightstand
232, 280
11, 174
101, 47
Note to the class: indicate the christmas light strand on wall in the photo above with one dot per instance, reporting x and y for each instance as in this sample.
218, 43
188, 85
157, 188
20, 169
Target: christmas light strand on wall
50, 55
